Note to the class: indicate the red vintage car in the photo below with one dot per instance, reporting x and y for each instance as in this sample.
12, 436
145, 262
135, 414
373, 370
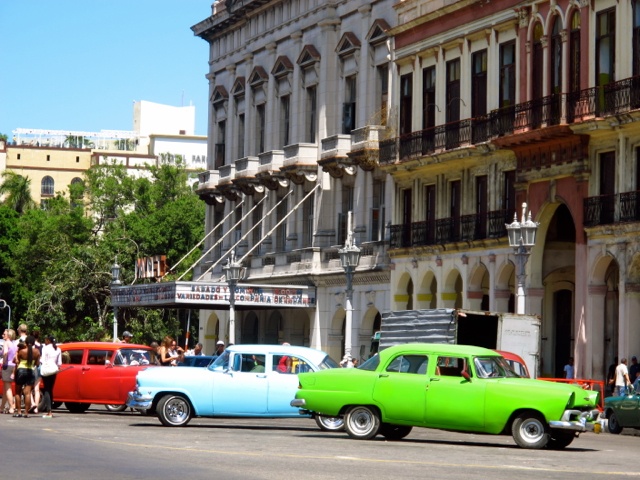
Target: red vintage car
516, 363
99, 372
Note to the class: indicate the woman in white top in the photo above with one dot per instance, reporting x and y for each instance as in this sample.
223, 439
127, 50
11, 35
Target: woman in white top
50, 354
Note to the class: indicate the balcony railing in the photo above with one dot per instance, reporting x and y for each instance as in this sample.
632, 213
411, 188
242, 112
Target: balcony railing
453, 229
611, 99
610, 209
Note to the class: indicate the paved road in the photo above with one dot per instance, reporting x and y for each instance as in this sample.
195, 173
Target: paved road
102, 445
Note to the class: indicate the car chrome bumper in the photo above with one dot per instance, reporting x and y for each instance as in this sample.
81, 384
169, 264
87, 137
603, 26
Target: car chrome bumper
298, 402
583, 421
138, 401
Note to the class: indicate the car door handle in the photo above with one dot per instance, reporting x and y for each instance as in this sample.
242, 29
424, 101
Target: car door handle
86, 368
262, 375
381, 375
434, 379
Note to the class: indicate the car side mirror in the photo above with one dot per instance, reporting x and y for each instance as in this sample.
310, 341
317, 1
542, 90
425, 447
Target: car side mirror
107, 363
466, 375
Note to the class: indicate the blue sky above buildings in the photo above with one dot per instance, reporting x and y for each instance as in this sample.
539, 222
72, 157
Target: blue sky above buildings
80, 64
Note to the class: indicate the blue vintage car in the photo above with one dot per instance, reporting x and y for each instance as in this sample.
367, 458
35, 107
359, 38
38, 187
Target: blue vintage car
246, 381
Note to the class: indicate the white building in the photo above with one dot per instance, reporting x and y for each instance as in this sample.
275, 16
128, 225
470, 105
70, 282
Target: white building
295, 87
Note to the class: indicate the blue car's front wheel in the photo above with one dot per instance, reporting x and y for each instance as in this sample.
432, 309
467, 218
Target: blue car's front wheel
174, 411
361, 422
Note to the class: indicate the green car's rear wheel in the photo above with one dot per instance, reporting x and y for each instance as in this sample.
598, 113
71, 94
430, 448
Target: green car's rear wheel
529, 430
361, 422
394, 432
612, 424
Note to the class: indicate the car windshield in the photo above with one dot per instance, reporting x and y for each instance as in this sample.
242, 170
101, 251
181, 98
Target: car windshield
371, 364
493, 367
129, 356
327, 363
222, 362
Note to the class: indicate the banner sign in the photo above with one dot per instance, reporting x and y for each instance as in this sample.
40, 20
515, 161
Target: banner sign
211, 295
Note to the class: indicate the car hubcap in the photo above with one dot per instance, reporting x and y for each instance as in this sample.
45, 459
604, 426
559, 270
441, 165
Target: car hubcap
361, 422
176, 410
532, 431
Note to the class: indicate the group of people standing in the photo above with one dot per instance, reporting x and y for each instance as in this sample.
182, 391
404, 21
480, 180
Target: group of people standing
22, 358
621, 376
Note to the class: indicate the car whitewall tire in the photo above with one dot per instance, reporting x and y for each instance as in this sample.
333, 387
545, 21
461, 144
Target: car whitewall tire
529, 430
174, 411
329, 424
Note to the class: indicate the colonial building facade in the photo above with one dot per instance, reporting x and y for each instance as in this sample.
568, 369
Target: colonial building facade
433, 125
295, 87
507, 102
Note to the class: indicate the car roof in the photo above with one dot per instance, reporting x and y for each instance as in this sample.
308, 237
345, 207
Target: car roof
103, 345
441, 348
290, 350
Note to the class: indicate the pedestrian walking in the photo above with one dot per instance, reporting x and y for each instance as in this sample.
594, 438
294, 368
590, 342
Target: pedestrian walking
621, 378
51, 354
10, 348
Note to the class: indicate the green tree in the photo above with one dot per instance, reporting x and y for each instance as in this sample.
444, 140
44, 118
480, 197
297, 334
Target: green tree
17, 191
58, 264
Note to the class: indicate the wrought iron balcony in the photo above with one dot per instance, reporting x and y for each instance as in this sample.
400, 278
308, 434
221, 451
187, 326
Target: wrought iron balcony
446, 230
557, 109
610, 209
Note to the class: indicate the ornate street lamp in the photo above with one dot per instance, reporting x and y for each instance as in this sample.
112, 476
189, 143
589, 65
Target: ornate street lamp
349, 259
3, 305
522, 237
233, 272
115, 281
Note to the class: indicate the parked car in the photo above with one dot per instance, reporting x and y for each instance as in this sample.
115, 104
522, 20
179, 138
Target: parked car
622, 412
516, 363
99, 373
449, 387
245, 381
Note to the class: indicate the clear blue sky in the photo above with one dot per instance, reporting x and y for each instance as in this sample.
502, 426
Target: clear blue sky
80, 64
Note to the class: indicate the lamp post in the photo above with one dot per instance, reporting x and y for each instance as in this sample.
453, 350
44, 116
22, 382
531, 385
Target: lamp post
522, 237
3, 305
115, 281
349, 259
233, 271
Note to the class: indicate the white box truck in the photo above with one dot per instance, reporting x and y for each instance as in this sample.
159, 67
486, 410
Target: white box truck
519, 334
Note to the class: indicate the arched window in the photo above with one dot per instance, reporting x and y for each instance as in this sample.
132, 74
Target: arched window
537, 67
636, 38
556, 58
574, 53
47, 186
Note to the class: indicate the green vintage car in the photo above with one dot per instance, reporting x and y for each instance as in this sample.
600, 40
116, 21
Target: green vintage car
623, 411
449, 387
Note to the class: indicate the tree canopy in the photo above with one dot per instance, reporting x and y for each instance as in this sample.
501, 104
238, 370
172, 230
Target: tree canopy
55, 268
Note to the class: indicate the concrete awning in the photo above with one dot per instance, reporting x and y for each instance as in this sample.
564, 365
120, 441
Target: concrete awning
212, 296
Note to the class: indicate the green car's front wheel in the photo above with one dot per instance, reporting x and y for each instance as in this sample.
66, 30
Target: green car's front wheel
529, 430
361, 422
